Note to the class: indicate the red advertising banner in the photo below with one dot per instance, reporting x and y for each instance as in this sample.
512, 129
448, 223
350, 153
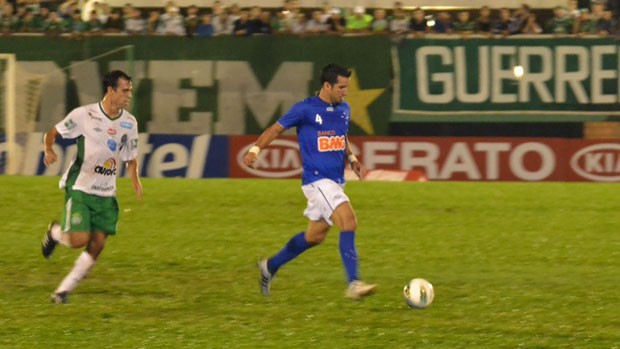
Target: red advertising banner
458, 159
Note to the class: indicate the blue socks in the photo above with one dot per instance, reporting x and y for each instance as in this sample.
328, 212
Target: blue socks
298, 244
295, 246
348, 253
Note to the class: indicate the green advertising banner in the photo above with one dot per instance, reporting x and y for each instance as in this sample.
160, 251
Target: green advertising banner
222, 85
240, 85
512, 79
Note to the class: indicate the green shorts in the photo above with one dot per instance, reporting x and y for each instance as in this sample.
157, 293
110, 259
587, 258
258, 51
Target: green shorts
89, 213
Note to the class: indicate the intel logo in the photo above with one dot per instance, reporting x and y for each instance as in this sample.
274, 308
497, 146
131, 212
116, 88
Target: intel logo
280, 160
598, 162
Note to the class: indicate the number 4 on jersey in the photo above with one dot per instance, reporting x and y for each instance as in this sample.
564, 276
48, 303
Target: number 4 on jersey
318, 119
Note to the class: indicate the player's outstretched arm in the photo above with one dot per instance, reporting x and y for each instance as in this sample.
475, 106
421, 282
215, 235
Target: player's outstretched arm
48, 141
262, 142
132, 170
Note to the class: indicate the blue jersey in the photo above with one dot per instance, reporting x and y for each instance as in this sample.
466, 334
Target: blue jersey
322, 135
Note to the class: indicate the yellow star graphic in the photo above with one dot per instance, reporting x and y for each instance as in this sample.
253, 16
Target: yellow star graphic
359, 100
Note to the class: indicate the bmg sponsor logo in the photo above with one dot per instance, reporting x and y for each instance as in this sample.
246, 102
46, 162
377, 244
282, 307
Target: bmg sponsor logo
331, 143
107, 169
598, 162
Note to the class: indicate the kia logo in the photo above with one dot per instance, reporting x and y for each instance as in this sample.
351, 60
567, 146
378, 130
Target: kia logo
280, 160
598, 162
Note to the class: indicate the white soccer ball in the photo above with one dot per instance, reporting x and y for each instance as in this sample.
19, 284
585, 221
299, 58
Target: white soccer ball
419, 293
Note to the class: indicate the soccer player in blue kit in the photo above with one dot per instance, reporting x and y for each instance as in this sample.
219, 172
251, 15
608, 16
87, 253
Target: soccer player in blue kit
322, 124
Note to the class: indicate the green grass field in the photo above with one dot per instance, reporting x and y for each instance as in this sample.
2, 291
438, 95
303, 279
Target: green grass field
514, 265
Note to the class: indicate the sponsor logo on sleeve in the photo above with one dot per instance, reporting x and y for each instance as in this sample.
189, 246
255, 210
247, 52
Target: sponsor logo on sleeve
70, 124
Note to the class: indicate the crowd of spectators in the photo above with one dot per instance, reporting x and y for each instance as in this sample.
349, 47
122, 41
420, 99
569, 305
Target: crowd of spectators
30, 16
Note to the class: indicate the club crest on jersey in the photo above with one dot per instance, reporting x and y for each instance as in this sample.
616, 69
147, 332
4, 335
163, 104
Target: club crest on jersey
108, 168
111, 131
331, 143
112, 144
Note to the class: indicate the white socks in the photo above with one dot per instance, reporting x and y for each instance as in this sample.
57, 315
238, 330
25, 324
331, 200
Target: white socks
81, 267
63, 239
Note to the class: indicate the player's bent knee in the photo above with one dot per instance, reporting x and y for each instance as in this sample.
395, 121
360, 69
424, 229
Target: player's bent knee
96, 245
78, 240
349, 225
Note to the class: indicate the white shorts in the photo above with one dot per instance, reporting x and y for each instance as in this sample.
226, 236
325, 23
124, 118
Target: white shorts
323, 197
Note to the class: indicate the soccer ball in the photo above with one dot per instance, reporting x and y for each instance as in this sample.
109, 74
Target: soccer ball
419, 293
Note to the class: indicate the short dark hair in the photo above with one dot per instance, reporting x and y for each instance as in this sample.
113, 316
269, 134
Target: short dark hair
111, 79
331, 72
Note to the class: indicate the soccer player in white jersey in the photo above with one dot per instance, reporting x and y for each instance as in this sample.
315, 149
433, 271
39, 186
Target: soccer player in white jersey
106, 135
322, 124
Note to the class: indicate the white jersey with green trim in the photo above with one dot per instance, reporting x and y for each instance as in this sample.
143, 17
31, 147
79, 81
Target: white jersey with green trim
102, 143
